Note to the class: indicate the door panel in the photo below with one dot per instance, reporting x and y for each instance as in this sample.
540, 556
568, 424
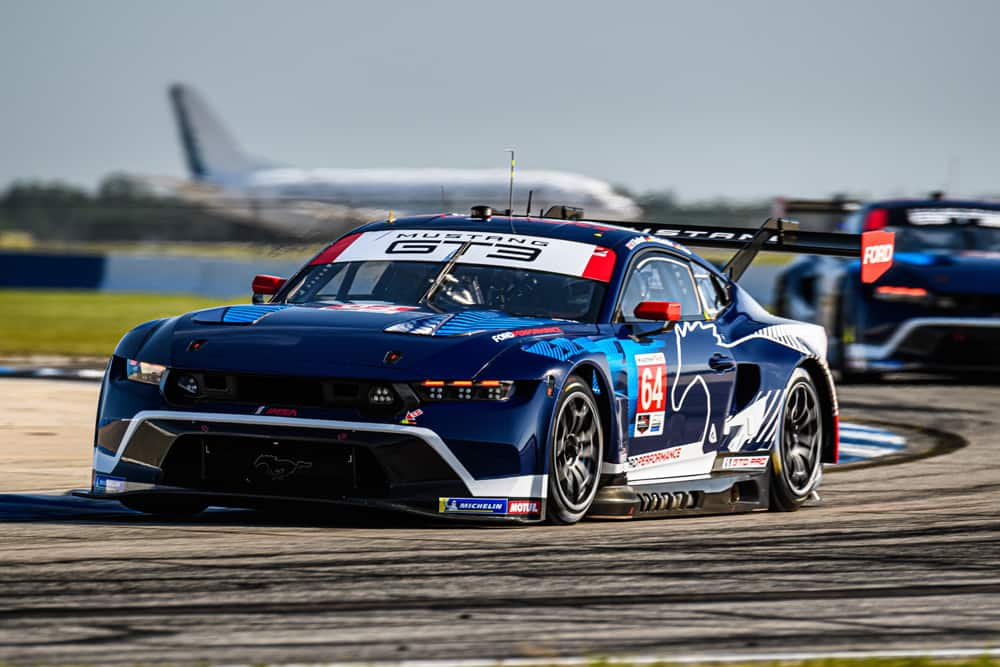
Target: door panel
681, 380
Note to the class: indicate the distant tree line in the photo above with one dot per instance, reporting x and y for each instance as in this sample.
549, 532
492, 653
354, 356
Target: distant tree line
664, 207
121, 209
126, 209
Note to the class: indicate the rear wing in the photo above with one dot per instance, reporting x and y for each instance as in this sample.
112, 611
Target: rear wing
875, 249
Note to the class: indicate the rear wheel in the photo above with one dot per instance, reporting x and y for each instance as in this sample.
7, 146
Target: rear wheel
576, 449
164, 507
798, 454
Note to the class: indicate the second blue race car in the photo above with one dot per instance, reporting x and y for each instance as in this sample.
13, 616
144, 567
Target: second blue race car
487, 366
936, 310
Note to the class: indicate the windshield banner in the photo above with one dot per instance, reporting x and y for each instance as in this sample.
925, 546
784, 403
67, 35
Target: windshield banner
509, 250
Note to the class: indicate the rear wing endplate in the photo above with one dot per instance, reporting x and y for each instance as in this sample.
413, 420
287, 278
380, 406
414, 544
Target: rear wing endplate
875, 249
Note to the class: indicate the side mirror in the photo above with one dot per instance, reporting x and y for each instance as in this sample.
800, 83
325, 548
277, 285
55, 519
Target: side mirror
264, 285
659, 311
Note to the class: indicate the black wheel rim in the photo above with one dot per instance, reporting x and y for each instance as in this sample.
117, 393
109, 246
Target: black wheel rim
801, 439
577, 450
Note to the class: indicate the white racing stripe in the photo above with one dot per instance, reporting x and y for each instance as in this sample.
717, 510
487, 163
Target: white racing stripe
667, 658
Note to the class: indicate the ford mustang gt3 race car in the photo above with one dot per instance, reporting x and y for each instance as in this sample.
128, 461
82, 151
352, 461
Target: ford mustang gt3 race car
937, 309
497, 367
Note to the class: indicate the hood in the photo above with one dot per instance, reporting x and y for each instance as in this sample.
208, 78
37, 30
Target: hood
347, 341
967, 272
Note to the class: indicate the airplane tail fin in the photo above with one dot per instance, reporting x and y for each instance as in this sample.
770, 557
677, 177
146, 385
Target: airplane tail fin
209, 149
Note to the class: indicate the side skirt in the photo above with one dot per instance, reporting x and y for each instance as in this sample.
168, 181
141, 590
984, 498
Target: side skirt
719, 493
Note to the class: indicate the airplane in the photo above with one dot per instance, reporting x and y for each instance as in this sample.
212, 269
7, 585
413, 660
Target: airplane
219, 165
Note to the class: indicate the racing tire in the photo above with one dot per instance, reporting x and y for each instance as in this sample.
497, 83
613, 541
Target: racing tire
164, 507
797, 459
576, 450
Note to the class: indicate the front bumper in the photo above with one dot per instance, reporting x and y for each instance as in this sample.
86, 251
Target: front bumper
241, 460
932, 343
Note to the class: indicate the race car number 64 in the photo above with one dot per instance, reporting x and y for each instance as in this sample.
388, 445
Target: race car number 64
652, 382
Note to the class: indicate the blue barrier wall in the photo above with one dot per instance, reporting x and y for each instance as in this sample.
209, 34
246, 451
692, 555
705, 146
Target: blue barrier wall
24, 269
205, 276
213, 277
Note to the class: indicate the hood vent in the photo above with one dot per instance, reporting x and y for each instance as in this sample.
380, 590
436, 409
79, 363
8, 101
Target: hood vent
467, 323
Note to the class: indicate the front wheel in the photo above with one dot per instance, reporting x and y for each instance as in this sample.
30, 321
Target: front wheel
576, 449
798, 454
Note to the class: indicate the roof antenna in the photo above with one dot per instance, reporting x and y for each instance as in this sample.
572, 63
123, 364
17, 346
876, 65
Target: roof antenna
510, 192
527, 209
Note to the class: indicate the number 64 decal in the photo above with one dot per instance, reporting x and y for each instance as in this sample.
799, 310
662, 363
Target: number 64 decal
652, 401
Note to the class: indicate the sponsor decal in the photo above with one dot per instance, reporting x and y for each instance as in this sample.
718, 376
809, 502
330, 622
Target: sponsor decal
106, 484
524, 507
472, 505
745, 462
561, 256
370, 307
636, 240
702, 234
277, 412
876, 254
411, 417
655, 458
652, 400
648, 423
537, 331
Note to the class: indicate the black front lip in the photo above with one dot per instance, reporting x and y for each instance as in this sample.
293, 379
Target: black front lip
416, 506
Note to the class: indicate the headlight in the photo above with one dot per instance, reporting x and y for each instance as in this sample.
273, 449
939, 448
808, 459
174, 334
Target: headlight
143, 371
464, 390
381, 394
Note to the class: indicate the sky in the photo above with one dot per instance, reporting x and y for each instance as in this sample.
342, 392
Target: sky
738, 100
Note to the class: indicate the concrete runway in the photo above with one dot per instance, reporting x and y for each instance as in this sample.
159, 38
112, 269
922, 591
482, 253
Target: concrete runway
903, 556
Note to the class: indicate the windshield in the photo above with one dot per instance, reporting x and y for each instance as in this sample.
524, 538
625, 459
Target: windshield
515, 291
947, 238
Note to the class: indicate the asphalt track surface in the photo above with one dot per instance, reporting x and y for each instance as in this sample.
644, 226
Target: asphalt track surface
895, 557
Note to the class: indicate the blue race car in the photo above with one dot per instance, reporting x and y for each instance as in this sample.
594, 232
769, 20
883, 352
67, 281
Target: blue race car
937, 309
488, 366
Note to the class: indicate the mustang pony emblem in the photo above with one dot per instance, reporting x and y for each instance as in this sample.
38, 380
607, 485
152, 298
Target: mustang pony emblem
278, 469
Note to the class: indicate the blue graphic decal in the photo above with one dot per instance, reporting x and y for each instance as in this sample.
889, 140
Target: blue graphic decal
556, 348
248, 314
472, 321
423, 326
